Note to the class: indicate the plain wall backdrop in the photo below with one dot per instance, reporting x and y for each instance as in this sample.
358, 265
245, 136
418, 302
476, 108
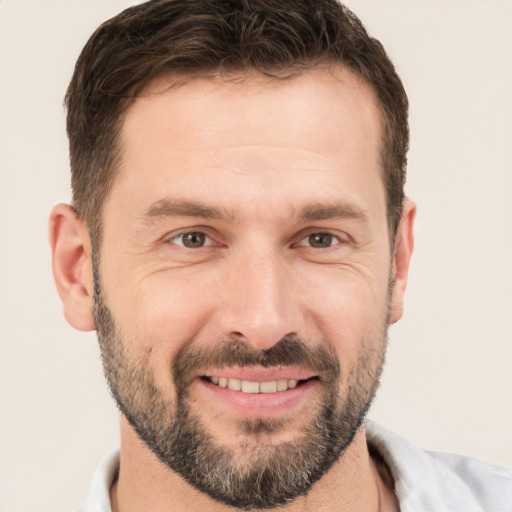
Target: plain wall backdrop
448, 380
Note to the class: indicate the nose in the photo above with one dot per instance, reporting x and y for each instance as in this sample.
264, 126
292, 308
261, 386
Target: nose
258, 304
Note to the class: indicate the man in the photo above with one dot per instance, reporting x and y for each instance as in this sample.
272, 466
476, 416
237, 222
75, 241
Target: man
240, 240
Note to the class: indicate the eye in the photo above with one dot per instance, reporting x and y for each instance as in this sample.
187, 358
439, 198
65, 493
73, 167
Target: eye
321, 240
191, 240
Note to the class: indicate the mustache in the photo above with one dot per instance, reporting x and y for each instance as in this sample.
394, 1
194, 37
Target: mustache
288, 351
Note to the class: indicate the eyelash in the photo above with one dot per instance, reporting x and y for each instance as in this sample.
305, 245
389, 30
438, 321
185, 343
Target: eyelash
181, 235
332, 237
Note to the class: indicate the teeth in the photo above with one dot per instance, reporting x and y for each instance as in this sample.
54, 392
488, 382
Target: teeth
268, 387
250, 387
255, 387
235, 384
282, 385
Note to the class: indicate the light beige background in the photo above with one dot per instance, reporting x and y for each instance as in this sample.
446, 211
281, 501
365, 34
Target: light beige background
448, 382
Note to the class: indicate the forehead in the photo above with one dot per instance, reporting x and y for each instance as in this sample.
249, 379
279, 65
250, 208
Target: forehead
312, 100
277, 138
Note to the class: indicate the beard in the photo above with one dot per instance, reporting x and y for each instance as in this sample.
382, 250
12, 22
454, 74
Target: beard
256, 474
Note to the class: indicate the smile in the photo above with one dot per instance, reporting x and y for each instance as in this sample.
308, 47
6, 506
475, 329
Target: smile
246, 386
256, 392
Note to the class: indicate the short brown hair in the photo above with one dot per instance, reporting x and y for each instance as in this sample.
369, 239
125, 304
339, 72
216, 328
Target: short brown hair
278, 38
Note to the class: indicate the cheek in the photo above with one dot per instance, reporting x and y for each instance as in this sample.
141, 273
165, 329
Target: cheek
347, 308
164, 311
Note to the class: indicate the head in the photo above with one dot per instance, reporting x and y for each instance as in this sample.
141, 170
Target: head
239, 220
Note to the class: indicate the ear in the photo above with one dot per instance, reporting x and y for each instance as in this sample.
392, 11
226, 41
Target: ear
72, 266
404, 244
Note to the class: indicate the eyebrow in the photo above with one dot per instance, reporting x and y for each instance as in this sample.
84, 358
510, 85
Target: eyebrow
178, 208
315, 212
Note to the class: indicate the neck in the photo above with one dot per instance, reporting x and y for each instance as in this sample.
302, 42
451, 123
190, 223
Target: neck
353, 484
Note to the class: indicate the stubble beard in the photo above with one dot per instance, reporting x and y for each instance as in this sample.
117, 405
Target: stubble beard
256, 475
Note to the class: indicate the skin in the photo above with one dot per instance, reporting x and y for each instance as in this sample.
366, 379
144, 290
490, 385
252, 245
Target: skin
261, 151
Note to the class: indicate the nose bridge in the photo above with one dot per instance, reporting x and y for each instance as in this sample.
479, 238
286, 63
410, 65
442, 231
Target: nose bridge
259, 305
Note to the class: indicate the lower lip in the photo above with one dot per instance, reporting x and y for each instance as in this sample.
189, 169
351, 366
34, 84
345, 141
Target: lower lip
261, 404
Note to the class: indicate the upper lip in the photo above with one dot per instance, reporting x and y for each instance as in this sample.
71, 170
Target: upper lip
260, 374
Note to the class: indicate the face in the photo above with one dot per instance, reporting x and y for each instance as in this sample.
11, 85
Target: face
243, 283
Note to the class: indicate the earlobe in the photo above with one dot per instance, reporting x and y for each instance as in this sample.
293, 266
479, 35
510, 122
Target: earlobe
72, 266
404, 245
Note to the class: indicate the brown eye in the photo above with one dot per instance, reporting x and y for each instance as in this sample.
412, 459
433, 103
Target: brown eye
192, 240
320, 240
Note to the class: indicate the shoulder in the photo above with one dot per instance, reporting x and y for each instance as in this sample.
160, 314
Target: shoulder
491, 485
441, 482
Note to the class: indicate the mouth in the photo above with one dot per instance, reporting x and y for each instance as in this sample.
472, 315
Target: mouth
259, 392
256, 387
